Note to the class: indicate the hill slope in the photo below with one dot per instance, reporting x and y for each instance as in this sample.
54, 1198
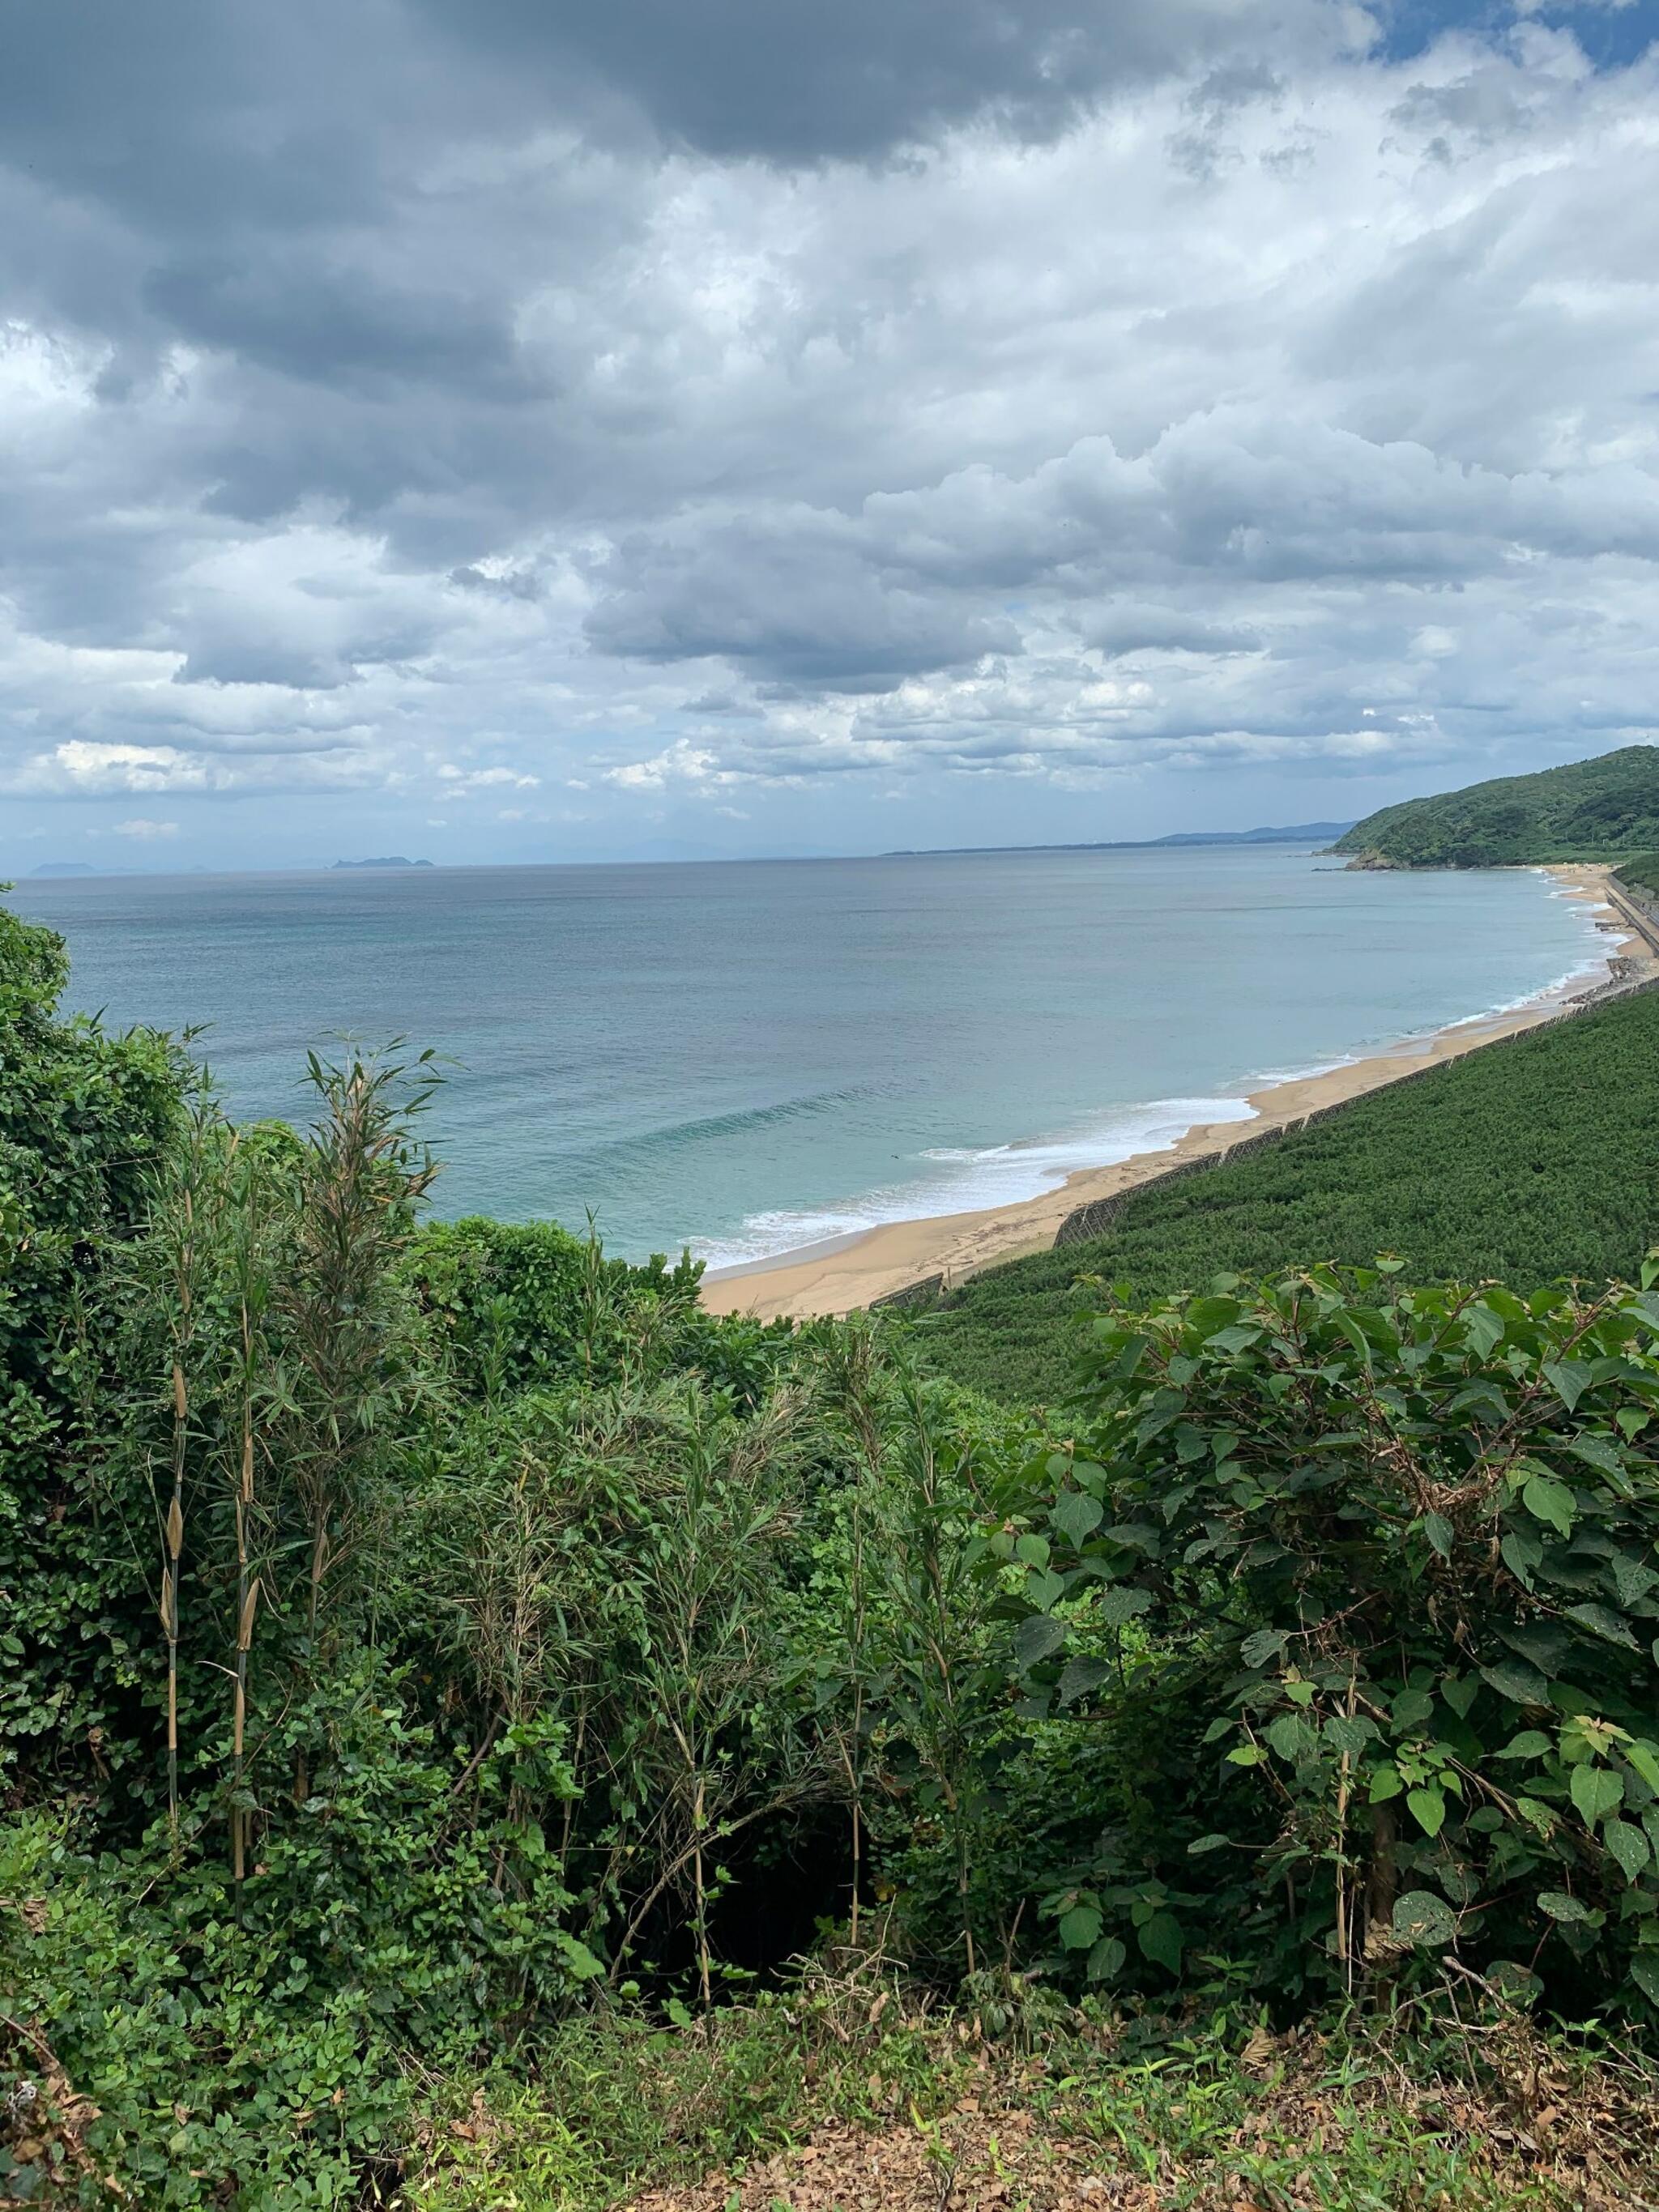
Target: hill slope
1528, 1160
1590, 810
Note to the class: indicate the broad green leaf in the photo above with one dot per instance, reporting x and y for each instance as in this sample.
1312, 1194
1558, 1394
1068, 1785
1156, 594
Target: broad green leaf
1570, 1378
1439, 1531
1077, 1516
1292, 1738
1106, 1959
1386, 1782
1347, 1736
1207, 1314
1121, 1605
1644, 1972
1598, 1452
1038, 1638
1560, 1906
1429, 1809
1079, 1676
1239, 1338
1522, 1552
1162, 1941
1596, 1793
1079, 1928
1602, 1620
1208, 1843
1531, 1743
1520, 1684
1247, 1754
1645, 1758
1423, 1918
1482, 1327
1545, 1499
1459, 1692
578, 1958
1628, 1845
1412, 1708
1266, 1644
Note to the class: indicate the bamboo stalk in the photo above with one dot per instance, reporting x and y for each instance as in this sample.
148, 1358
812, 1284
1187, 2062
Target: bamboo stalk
174, 1543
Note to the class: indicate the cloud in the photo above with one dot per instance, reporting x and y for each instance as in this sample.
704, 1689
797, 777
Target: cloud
402, 404
737, 78
145, 829
460, 782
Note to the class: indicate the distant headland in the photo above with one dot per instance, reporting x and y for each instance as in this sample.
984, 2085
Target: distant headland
1296, 833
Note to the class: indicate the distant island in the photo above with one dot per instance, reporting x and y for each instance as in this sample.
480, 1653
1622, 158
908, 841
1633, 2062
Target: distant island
1594, 810
1296, 833
391, 860
66, 868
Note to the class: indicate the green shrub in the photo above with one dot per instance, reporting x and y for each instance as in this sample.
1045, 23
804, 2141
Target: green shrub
1397, 1547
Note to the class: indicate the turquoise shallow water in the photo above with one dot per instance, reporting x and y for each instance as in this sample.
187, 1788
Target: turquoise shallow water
753, 1056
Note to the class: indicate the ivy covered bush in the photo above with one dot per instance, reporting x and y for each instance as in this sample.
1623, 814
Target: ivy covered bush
1394, 1555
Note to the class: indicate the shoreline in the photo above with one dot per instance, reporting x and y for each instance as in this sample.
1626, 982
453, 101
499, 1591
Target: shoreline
843, 1273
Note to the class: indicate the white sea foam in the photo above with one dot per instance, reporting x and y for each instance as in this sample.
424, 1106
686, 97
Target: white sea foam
966, 1179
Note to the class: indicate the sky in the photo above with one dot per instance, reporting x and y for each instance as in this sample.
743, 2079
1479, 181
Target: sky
513, 432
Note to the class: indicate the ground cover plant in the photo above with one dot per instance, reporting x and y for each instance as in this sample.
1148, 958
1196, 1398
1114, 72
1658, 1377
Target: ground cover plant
1531, 1161
448, 1677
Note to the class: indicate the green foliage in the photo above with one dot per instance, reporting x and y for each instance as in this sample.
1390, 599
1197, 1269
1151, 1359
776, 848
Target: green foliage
1397, 1546
419, 1639
256, 2038
84, 1116
521, 1306
1588, 810
1533, 1161
1642, 877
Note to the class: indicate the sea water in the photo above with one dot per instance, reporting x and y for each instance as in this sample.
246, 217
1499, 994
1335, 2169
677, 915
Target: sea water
750, 1057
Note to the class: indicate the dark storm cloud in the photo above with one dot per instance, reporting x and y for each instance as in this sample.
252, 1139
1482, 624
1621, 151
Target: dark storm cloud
795, 80
796, 599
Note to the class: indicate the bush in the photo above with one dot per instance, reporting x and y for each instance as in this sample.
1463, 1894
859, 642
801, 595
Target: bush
1396, 1548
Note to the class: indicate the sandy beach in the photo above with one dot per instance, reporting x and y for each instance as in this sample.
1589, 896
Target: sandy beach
835, 1278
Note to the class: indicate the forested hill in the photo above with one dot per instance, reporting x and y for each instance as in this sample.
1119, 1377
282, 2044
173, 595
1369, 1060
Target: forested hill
1589, 811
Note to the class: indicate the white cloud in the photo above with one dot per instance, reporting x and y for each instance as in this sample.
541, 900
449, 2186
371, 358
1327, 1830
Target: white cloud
141, 827
1288, 409
461, 781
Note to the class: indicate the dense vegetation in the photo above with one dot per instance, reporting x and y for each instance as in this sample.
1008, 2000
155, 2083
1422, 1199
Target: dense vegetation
442, 1668
1641, 876
1534, 1160
1593, 810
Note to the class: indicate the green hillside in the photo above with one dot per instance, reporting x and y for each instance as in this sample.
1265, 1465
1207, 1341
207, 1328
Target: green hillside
1526, 1161
1641, 876
1591, 810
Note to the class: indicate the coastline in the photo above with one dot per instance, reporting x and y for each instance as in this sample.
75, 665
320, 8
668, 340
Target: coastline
846, 1272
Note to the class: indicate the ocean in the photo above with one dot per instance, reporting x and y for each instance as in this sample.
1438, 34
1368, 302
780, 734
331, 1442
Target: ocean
750, 1057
